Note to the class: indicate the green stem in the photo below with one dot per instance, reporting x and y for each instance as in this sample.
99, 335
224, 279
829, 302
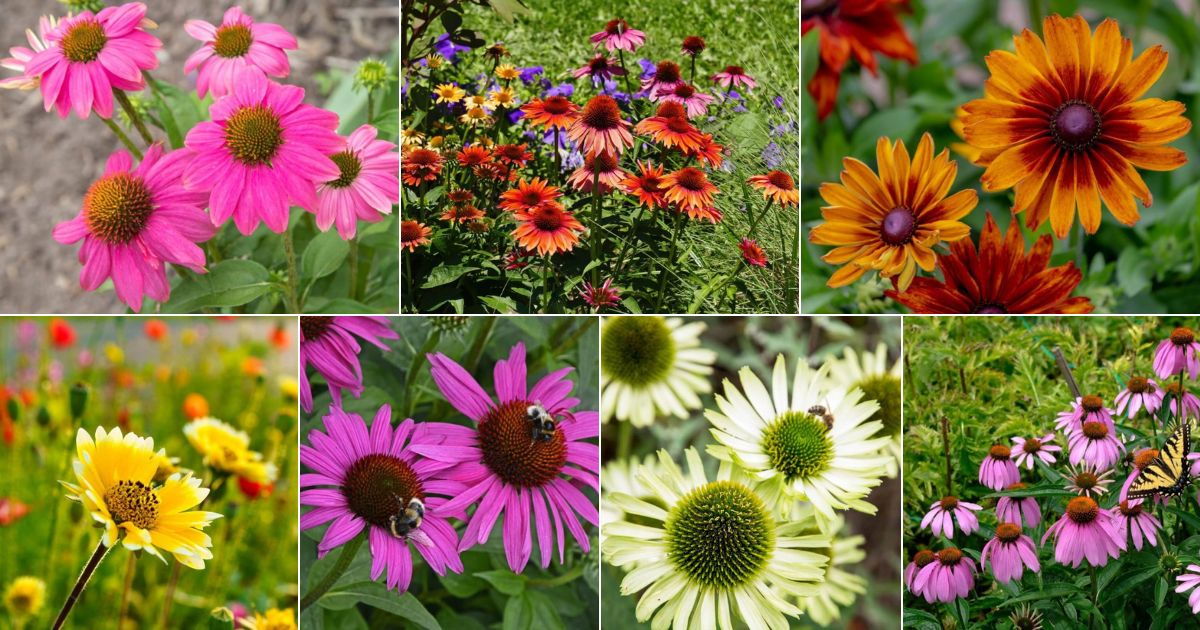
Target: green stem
289, 251
169, 597
946, 452
662, 278
130, 568
594, 237
742, 261
345, 557
353, 258
624, 440
81, 583
408, 278
634, 228
565, 578
370, 106
1035, 14
546, 284
557, 155
136, 118
137, 153
1095, 593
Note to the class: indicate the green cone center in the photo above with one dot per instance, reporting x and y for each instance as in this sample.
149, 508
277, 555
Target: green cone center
720, 535
798, 445
637, 351
885, 390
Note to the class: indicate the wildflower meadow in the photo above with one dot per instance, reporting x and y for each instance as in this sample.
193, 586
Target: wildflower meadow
1047, 473
149, 473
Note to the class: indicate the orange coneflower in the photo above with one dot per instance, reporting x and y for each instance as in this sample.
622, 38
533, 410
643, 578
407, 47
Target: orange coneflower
857, 28
547, 229
701, 213
670, 109
420, 165
892, 221
461, 213
999, 278
710, 153
647, 185
460, 196
689, 188
528, 195
752, 253
603, 164
473, 156
600, 127
674, 133
555, 112
777, 186
496, 172
512, 154
1067, 131
413, 234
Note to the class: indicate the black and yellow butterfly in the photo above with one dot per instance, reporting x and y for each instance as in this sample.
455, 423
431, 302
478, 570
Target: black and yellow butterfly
1168, 475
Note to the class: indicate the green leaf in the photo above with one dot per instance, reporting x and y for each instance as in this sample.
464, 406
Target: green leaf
508, 9
445, 274
375, 594
499, 303
324, 255
921, 620
1060, 590
504, 580
227, 283
1134, 271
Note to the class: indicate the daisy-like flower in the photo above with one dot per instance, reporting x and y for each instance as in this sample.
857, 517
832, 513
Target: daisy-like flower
514, 155
1085, 532
503, 98
673, 132
879, 381
1011, 552
1094, 444
893, 233
920, 560
604, 165
367, 186
547, 228
24, 598
1177, 398
529, 195
471, 156
272, 619
689, 188
21, 56
413, 234
263, 151
950, 576
777, 186
652, 366
507, 72
1088, 408
997, 471
330, 346
646, 185
665, 78
786, 439
1087, 480
1177, 353
479, 101
476, 117
752, 254
529, 482
1139, 393
1018, 509
839, 588
734, 77
625, 477
1131, 520
695, 101
465, 213
1029, 450
449, 93
553, 112
710, 153
602, 296
1187, 582
134, 221
411, 138
1026, 617
89, 55
618, 36
237, 44
599, 69
227, 450
697, 576
363, 478
858, 28
114, 480
944, 513
1066, 132
600, 128
692, 45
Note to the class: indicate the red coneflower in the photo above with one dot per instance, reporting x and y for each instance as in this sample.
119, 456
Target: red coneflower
528, 195
647, 185
674, 132
752, 253
413, 234
600, 68
689, 188
473, 156
777, 186
462, 213
460, 196
547, 229
515, 259
598, 297
692, 45
710, 153
700, 213
666, 76
512, 154
606, 165
600, 127
495, 172
420, 165
553, 112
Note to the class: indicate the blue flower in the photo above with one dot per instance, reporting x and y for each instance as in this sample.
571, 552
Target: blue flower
772, 155
530, 74
447, 48
647, 68
515, 116
562, 89
778, 102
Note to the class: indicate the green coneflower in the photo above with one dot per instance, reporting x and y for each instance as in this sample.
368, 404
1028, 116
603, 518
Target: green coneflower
651, 367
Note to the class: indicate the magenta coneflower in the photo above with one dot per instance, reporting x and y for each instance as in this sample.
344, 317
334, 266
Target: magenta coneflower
694, 101
1085, 408
920, 560
532, 482
945, 512
1175, 401
666, 76
237, 44
733, 77
1031, 449
603, 296
950, 576
1095, 444
136, 220
1140, 392
604, 164
618, 36
362, 479
599, 69
1187, 582
1018, 509
1177, 353
367, 186
600, 128
1085, 532
21, 56
1011, 552
263, 151
89, 55
1142, 458
1087, 480
997, 470
329, 345
1131, 520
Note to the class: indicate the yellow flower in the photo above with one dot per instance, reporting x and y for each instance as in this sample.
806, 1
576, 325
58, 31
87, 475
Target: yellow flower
411, 138
449, 93
476, 116
480, 101
115, 483
507, 71
273, 619
227, 450
114, 354
25, 596
189, 336
434, 61
503, 97
166, 466
290, 387
436, 142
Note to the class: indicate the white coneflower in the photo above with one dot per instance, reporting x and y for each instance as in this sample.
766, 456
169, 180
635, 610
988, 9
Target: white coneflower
880, 382
621, 476
651, 367
840, 588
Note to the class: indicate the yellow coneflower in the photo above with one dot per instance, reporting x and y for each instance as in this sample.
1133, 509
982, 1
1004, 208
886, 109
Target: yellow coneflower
24, 597
504, 97
449, 93
507, 72
227, 450
273, 619
476, 116
434, 61
411, 138
481, 101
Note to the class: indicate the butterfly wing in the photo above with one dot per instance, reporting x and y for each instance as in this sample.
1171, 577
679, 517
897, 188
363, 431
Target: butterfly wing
1168, 473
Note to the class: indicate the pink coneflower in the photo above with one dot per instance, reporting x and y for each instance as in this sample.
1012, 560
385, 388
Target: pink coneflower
21, 56
945, 512
694, 101
997, 469
666, 76
136, 220
752, 253
262, 152
1031, 449
1094, 444
734, 76
603, 296
1011, 552
1018, 509
1085, 408
367, 186
600, 128
1130, 519
1189, 403
618, 36
599, 69
236, 45
1177, 353
1187, 582
920, 560
1087, 480
1139, 392
87, 56
1084, 532
610, 171
329, 345
508, 473
362, 480
950, 576
1142, 458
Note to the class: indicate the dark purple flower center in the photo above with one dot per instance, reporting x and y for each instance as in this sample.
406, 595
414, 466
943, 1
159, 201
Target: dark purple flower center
83, 42
813, 8
312, 328
898, 226
349, 165
1082, 510
601, 113
616, 27
1075, 125
990, 309
253, 134
378, 486
232, 40
116, 208
693, 44
667, 72
510, 450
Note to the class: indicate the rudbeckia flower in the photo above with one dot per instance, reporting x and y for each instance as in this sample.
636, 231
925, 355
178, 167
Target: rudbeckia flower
652, 367
24, 598
238, 43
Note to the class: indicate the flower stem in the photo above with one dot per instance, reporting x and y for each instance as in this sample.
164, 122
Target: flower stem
130, 111
169, 597
557, 155
345, 557
130, 569
1065, 368
370, 105
1095, 598
624, 439
742, 261
946, 452
633, 232
565, 578
546, 284
353, 258
662, 278
594, 237
81, 583
137, 153
289, 251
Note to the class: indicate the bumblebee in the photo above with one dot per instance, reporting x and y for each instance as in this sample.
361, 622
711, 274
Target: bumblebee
408, 520
542, 423
821, 412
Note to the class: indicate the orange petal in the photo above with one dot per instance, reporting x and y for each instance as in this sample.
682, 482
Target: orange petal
1015, 164
1145, 108
1153, 158
1062, 200
1152, 131
1104, 62
1087, 193
1137, 77
845, 275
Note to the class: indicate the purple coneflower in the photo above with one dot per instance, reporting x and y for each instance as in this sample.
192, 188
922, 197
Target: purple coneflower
329, 345
920, 560
603, 296
949, 509
1085, 532
950, 576
1087, 480
1085, 408
1139, 392
1177, 353
1011, 552
618, 36
734, 76
599, 69
1030, 449
1096, 444
1018, 509
997, 469
1187, 582
1131, 519
1190, 403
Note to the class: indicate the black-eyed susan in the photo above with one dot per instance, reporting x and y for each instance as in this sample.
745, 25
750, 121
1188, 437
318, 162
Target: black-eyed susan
449, 93
24, 599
